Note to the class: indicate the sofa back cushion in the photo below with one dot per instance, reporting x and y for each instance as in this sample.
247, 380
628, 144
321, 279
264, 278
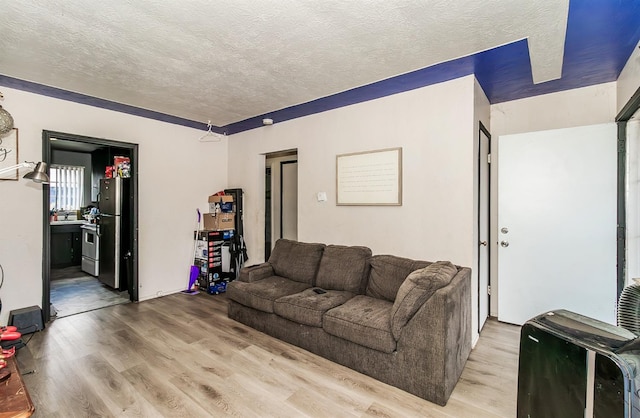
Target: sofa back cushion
343, 268
295, 260
419, 286
387, 274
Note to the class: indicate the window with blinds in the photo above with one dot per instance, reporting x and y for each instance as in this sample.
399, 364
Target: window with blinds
66, 187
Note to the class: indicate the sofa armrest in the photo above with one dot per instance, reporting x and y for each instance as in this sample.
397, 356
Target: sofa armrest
416, 289
256, 272
439, 334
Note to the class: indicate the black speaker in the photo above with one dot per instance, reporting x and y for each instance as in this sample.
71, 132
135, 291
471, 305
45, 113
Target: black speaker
28, 320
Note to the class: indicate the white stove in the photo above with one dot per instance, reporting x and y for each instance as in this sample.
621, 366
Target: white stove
90, 249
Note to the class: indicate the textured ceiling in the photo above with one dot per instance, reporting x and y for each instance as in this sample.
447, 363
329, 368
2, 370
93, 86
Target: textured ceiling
229, 62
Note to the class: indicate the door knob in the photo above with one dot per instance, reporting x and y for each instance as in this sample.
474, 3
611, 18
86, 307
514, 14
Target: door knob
483, 243
504, 243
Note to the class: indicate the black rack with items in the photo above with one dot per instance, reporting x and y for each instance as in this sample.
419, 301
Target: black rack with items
238, 249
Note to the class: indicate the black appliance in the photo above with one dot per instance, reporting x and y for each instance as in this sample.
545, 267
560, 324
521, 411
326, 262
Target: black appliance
574, 366
237, 248
238, 203
114, 231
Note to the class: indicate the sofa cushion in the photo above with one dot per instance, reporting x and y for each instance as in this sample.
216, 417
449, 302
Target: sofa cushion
260, 295
308, 307
296, 260
363, 320
343, 268
419, 286
387, 274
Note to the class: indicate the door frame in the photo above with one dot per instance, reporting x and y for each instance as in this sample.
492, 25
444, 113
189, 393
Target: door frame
627, 111
482, 130
46, 229
282, 164
267, 213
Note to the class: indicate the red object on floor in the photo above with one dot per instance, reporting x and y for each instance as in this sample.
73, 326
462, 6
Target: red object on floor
9, 336
8, 328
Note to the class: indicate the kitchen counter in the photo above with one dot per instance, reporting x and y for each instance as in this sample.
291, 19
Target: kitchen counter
78, 222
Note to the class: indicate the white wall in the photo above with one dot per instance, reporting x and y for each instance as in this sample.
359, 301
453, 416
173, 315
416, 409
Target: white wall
579, 107
629, 79
176, 174
435, 127
437, 169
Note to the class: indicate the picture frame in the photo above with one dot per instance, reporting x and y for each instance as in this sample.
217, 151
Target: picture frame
369, 178
9, 153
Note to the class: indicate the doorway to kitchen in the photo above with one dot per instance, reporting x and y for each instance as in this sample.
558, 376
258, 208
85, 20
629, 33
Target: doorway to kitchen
89, 257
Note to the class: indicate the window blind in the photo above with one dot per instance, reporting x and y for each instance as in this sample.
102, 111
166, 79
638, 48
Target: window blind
66, 187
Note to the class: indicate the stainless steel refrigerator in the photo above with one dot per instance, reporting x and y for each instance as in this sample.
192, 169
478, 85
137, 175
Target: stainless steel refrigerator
114, 230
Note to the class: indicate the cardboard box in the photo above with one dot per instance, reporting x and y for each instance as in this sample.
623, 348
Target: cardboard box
209, 248
209, 221
226, 221
220, 221
209, 257
221, 202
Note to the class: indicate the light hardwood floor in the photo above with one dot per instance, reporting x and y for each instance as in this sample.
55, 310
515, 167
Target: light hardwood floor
180, 356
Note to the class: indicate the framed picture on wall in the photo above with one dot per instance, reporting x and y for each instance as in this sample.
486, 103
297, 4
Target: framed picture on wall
370, 178
9, 154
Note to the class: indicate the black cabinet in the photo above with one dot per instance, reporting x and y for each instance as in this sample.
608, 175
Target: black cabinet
76, 248
66, 245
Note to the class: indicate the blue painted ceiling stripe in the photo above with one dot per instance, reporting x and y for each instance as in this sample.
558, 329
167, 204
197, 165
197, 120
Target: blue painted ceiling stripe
57, 93
502, 69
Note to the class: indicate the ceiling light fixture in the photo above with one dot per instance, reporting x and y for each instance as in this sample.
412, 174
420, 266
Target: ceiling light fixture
6, 120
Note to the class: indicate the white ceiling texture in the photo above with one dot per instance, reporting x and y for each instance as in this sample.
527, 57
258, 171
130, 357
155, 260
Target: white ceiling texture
228, 61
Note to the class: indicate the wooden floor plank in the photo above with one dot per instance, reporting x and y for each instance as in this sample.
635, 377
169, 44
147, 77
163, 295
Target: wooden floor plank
153, 385
115, 391
180, 355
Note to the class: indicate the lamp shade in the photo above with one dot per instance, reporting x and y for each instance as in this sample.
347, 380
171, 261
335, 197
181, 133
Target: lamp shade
39, 174
6, 121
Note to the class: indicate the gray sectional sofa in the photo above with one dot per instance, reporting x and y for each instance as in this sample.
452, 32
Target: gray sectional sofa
404, 322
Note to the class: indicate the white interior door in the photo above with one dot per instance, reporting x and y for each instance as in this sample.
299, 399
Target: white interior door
557, 223
483, 227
